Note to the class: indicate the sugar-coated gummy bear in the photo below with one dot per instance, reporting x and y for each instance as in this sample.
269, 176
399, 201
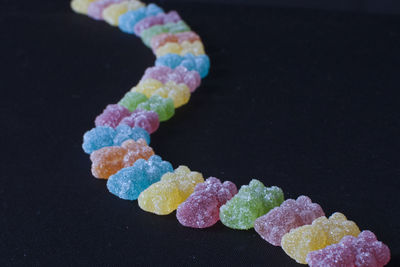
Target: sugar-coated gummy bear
170, 27
201, 209
127, 21
145, 119
103, 136
200, 63
251, 202
362, 251
95, 9
289, 215
321, 233
81, 6
129, 182
159, 19
162, 39
164, 107
196, 48
165, 196
109, 160
112, 115
131, 100
113, 12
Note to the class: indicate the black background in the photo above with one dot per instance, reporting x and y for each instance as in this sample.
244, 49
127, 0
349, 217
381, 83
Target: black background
300, 98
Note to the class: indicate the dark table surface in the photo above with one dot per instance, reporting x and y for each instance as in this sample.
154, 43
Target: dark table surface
303, 99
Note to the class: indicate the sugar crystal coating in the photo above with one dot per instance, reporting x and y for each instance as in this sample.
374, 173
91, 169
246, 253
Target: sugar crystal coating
145, 119
81, 6
112, 115
164, 107
170, 27
361, 251
95, 9
200, 63
112, 13
196, 48
251, 202
201, 209
127, 21
109, 160
129, 182
175, 187
159, 19
103, 136
161, 39
321, 233
289, 215
131, 100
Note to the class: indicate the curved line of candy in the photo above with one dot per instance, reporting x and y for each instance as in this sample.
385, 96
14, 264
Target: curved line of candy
180, 64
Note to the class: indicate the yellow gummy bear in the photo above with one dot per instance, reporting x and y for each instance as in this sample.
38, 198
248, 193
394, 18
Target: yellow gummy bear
168, 48
321, 233
179, 93
196, 48
147, 87
164, 197
112, 12
81, 6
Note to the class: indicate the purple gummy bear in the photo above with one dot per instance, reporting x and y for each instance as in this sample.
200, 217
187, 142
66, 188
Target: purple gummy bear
289, 215
178, 75
95, 9
145, 119
159, 19
201, 209
362, 251
112, 115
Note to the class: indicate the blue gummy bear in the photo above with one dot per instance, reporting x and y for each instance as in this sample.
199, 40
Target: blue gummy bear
125, 132
200, 63
103, 136
129, 182
127, 21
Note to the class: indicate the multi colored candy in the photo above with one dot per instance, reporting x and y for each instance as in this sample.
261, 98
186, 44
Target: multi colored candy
200, 63
112, 13
165, 196
112, 116
127, 21
361, 251
164, 107
180, 37
131, 100
289, 215
201, 209
196, 48
251, 202
170, 27
321, 233
95, 9
159, 19
108, 160
103, 136
145, 119
129, 182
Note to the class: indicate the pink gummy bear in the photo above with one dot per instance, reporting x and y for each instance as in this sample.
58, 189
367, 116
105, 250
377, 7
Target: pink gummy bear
95, 9
289, 215
112, 115
159, 19
179, 75
361, 251
147, 120
161, 39
201, 209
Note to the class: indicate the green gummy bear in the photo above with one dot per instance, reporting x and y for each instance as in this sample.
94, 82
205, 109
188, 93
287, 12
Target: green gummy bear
251, 202
131, 100
164, 107
171, 27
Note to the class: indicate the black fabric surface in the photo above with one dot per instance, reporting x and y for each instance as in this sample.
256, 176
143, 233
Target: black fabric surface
303, 99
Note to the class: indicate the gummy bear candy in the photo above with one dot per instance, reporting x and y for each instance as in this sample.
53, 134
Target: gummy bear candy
200, 63
131, 100
109, 160
145, 119
161, 39
201, 209
129, 182
321, 233
164, 107
103, 136
159, 19
362, 251
196, 48
165, 196
171, 27
127, 21
95, 9
112, 12
289, 215
251, 202
112, 115
81, 6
